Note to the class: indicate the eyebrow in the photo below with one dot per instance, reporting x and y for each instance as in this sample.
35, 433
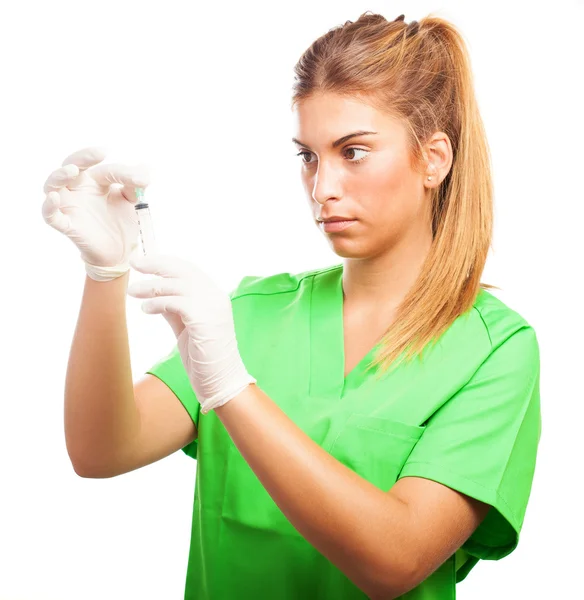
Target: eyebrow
340, 140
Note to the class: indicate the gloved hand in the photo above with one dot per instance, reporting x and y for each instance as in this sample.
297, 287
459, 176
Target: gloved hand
202, 320
100, 220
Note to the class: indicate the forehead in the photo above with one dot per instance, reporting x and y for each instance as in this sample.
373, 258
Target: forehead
328, 116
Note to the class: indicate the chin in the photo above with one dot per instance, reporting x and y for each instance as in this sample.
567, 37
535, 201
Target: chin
346, 249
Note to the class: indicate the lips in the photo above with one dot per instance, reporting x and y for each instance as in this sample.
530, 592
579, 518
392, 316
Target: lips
335, 219
335, 226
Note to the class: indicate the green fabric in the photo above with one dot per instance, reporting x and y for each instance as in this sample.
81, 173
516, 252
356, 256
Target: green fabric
466, 414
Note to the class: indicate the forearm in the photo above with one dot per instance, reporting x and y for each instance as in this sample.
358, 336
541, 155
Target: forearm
357, 526
100, 411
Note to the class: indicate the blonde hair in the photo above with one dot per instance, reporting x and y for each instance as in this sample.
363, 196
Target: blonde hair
421, 74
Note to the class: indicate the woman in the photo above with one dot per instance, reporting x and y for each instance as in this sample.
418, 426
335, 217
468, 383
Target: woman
368, 429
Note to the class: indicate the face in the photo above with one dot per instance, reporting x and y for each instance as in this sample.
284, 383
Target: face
367, 178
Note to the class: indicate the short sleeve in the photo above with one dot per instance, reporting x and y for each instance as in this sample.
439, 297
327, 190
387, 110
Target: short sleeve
483, 443
171, 371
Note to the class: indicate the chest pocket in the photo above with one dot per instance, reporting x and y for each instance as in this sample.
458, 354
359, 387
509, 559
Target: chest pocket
375, 447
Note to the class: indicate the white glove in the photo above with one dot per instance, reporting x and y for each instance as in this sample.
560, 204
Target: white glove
100, 220
200, 315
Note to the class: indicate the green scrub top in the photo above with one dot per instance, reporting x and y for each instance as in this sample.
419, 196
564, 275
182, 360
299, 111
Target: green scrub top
466, 415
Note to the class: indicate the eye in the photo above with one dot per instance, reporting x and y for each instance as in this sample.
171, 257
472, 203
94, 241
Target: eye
358, 150
351, 149
302, 153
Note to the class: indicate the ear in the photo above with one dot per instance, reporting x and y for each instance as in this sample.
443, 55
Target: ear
438, 156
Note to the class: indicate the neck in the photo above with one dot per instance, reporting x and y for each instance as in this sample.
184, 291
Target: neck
382, 282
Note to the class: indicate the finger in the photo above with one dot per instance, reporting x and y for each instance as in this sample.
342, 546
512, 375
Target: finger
131, 176
52, 213
178, 305
86, 157
60, 178
175, 323
152, 288
136, 250
129, 193
162, 265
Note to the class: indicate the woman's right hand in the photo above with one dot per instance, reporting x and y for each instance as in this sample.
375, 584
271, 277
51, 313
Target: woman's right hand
99, 219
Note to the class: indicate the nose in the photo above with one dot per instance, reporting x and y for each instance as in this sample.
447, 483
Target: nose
327, 184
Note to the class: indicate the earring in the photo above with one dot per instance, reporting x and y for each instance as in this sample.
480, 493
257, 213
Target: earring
432, 168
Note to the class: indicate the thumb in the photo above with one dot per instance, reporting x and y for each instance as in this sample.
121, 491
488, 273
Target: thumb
52, 213
175, 322
135, 251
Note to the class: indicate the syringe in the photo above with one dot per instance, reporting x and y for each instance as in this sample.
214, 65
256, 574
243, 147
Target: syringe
145, 223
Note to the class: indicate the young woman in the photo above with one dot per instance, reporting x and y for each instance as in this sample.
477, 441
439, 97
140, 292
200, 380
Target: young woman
368, 429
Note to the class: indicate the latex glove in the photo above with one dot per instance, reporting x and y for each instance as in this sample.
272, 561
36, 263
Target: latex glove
99, 219
201, 318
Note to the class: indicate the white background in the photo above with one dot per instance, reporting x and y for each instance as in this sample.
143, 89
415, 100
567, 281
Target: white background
201, 94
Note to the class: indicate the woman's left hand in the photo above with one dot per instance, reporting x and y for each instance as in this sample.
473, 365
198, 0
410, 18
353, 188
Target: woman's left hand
200, 315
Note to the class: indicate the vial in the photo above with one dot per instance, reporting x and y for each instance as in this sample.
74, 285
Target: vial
145, 223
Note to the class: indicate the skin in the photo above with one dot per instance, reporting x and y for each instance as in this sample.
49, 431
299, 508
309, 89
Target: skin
345, 517
384, 251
